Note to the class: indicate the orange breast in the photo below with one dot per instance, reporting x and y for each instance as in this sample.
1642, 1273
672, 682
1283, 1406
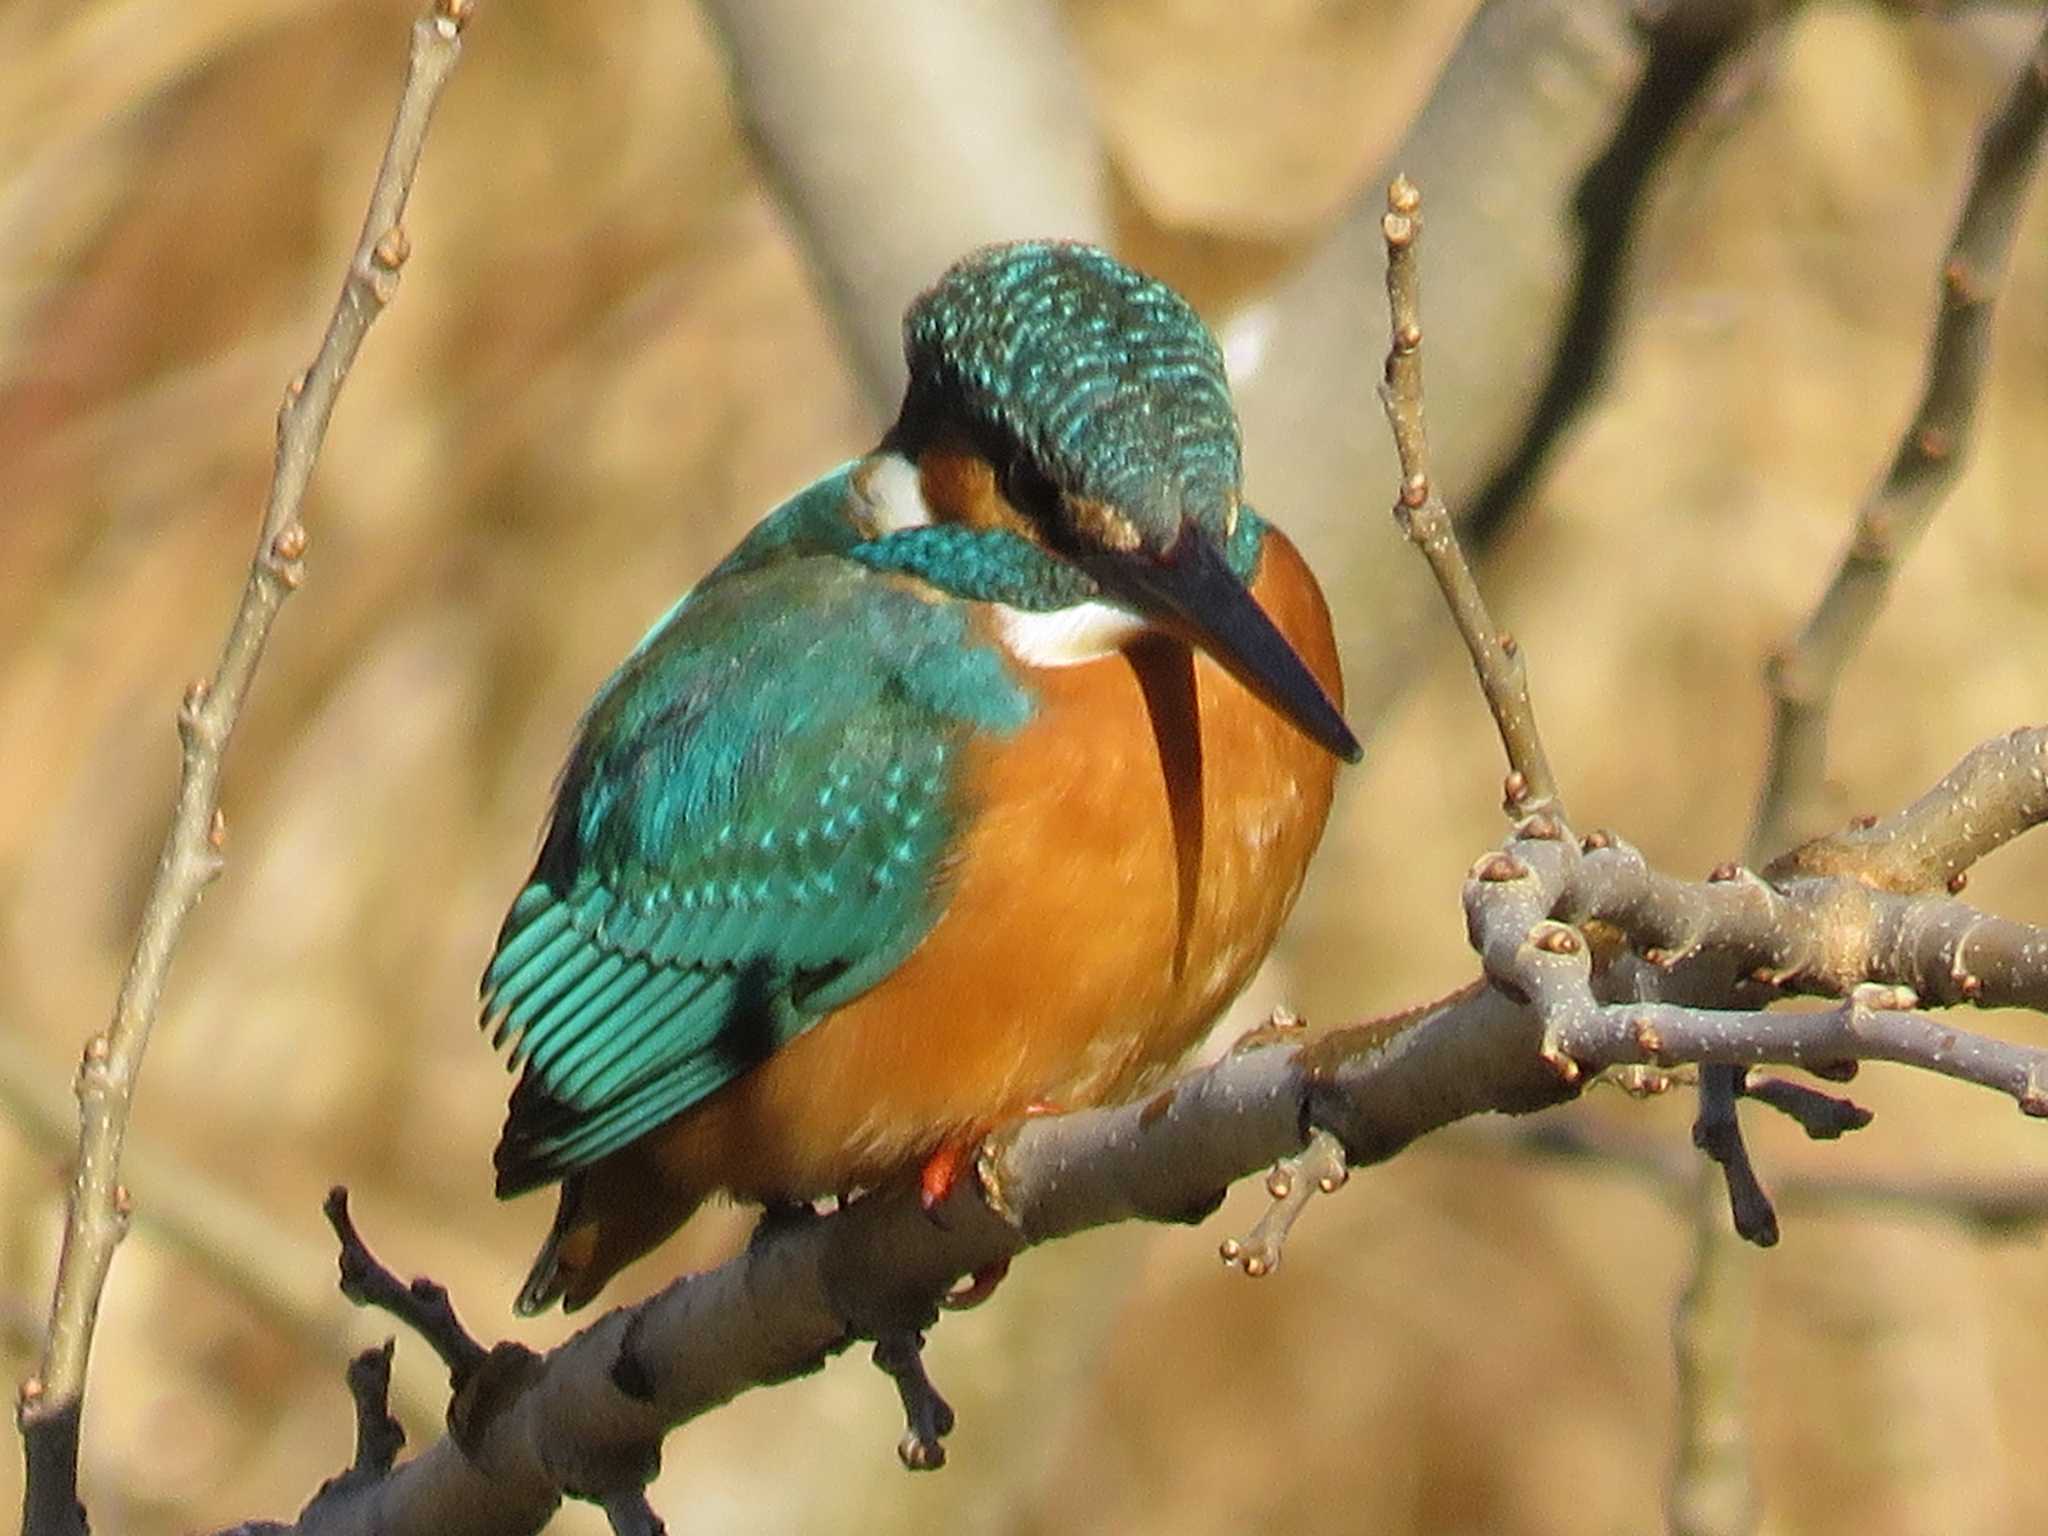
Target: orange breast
1131, 856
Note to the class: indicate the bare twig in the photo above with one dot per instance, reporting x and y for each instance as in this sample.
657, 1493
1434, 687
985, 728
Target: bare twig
379, 1437
1993, 795
191, 855
1421, 512
631, 1515
1823, 1116
1319, 1169
928, 1417
1716, 1132
1928, 458
422, 1306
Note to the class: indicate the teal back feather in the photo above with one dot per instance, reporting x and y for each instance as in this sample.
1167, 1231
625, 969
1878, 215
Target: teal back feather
750, 831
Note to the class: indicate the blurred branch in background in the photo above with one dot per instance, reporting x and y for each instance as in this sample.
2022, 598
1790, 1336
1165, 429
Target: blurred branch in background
2013, 1206
1930, 456
899, 111
901, 134
52, 1400
279, 1276
1712, 1488
1687, 43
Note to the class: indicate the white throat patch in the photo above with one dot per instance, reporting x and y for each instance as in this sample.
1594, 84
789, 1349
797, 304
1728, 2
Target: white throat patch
1066, 637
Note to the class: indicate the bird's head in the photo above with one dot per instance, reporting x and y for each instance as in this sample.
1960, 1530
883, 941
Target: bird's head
1068, 438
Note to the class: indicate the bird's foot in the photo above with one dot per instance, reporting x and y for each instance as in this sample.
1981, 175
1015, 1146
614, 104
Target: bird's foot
954, 1156
942, 1171
979, 1287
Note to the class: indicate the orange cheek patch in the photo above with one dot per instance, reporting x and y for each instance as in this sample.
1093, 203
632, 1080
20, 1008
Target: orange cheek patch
959, 486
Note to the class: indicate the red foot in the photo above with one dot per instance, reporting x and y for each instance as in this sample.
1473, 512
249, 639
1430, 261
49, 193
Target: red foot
942, 1171
979, 1287
943, 1168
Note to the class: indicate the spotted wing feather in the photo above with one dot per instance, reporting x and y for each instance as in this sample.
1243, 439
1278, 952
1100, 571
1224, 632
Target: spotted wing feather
751, 830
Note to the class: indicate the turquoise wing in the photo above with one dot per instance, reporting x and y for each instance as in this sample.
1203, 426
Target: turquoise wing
751, 831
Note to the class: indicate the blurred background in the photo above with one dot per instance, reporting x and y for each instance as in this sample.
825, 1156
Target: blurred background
613, 349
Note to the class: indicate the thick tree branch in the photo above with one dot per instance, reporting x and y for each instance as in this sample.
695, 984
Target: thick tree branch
528, 1430
1926, 463
191, 858
896, 146
1686, 44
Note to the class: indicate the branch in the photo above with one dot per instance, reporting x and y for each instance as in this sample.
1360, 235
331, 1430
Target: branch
1320, 1169
262, 1262
892, 106
1824, 935
1686, 45
422, 1306
1929, 457
588, 1418
1712, 1491
191, 857
1421, 512
1993, 795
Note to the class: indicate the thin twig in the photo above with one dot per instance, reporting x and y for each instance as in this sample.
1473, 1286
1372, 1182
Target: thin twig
1421, 512
1716, 1132
191, 855
1997, 792
629, 1514
422, 1305
1927, 461
379, 1437
1319, 1169
928, 1417
1823, 1116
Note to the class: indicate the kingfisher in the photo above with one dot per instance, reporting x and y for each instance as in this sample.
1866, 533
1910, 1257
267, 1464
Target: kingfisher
979, 778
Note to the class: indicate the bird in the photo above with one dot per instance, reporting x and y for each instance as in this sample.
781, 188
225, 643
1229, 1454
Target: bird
978, 779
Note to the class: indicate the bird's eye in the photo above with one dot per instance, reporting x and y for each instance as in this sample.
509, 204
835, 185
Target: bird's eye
1026, 487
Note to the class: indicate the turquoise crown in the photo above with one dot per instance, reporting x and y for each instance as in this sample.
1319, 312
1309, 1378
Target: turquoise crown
1104, 380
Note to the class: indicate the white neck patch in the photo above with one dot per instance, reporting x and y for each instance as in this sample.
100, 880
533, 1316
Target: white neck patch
1067, 637
890, 485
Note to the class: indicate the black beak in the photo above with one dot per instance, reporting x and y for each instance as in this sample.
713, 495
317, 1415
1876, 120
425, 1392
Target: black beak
1192, 592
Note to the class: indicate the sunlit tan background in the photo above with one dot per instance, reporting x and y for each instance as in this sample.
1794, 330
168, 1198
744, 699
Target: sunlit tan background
604, 362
